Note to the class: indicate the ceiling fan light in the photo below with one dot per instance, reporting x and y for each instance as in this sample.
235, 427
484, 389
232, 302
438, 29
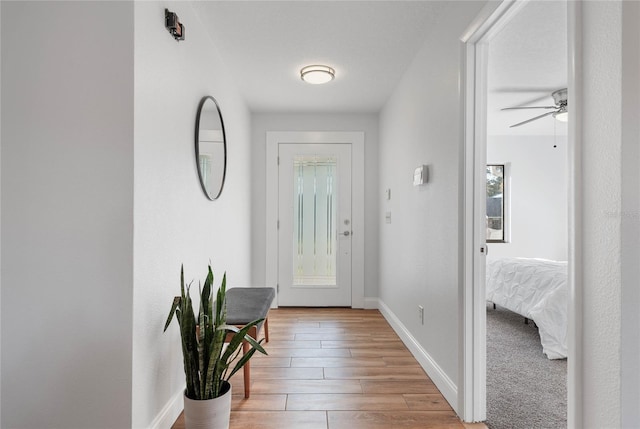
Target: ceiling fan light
317, 74
562, 116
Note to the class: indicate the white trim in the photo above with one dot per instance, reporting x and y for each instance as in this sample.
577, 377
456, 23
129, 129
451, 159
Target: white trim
371, 303
472, 392
574, 87
489, 21
356, 139
170, 412
439, 377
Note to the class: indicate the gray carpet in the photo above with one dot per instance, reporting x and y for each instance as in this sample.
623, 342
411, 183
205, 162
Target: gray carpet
525, 390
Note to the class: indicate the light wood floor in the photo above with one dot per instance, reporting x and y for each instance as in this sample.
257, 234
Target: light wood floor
336, 369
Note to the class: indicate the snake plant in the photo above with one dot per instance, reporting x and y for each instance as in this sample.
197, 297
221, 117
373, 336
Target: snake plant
207, 363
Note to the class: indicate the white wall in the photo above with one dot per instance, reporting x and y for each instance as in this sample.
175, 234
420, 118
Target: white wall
174, 223
538, 195
630, 347
420, 124
601, 211
67, 214
263, 122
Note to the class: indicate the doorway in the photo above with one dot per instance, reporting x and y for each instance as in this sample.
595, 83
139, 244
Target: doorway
314, 232
473, 295
308, 157
527, 66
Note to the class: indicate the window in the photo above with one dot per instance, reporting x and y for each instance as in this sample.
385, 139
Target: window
497, 196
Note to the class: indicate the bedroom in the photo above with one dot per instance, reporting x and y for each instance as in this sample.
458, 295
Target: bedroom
527, 224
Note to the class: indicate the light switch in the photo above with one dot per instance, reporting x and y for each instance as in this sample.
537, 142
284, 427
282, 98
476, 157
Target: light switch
387, 217
387, 194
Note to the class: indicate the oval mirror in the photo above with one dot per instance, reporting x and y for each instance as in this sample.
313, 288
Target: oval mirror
211, 147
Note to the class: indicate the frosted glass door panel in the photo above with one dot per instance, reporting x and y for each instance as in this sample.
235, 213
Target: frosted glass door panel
314, 224
314, 217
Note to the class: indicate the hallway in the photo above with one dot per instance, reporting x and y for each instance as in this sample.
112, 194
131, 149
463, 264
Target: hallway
336, 368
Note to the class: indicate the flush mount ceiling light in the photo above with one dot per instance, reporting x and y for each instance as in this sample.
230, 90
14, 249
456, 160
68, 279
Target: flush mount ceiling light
317, 74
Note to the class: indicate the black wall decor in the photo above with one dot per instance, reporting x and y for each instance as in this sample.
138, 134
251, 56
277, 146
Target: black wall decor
172, 23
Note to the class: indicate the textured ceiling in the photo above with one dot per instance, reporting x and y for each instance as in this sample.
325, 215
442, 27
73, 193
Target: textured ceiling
527, 62
370, 44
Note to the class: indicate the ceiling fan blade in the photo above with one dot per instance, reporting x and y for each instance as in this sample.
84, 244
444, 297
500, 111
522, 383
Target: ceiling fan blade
530, 107
533, 119
524, 90
536, 100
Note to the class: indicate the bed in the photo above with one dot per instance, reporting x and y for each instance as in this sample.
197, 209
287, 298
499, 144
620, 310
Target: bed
536, 289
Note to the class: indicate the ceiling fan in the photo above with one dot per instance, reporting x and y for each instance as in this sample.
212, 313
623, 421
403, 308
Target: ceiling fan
560, 111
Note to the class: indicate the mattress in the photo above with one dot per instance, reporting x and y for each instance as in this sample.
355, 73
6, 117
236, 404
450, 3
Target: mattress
536, 289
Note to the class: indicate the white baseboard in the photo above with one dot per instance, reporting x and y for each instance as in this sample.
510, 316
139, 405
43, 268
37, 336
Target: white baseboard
167, 417
442, 381
371, 303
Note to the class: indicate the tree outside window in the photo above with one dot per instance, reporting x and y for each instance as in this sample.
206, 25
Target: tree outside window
495, 203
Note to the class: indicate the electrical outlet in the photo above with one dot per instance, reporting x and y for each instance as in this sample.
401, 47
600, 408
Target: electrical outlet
421, 314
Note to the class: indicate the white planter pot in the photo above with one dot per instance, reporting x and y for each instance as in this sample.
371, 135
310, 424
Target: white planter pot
208, 413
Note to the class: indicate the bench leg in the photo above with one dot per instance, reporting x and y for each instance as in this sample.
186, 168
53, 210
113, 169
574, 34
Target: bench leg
266, 330
247, 371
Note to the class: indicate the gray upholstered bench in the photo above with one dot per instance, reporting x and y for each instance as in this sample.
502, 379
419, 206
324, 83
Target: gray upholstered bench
244, 305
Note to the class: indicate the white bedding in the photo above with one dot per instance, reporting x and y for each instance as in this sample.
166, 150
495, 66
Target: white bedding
536, 289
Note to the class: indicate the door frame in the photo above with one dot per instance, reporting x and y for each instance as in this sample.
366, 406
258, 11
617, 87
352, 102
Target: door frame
356, 140
472, 342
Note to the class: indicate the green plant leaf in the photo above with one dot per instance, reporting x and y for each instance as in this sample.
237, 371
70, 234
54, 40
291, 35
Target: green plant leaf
238, 338
206, 291
201, 337
242, 335
190, 348
174, 306
245, 358
182, 280
206, 320
216, 365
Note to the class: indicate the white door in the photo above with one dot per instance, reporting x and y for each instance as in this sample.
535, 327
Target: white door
314, 217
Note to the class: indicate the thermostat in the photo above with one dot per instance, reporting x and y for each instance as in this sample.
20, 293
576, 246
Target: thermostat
420, 175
